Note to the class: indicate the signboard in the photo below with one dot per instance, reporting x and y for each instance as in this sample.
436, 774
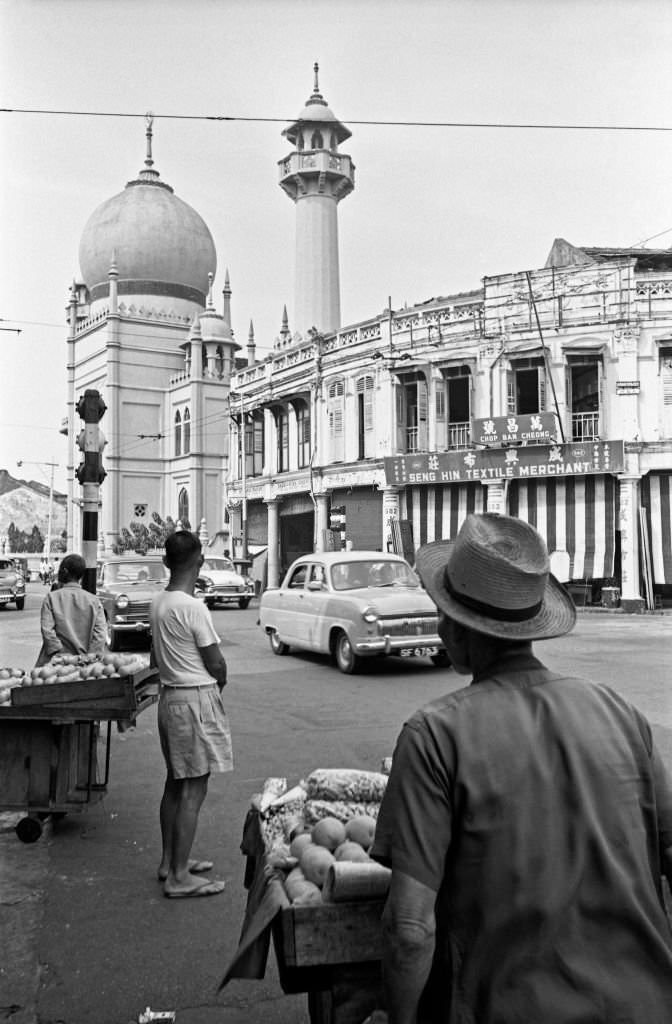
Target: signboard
532, 428
537, 461
627, 387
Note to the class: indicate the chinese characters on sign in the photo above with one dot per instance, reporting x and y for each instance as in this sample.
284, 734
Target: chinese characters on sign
506, 463
535, 428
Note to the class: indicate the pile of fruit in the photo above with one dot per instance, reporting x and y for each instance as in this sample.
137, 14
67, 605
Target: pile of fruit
71, 668
9, 678
329, 819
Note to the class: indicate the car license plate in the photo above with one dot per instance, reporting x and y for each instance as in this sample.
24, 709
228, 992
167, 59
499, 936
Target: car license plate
418, 652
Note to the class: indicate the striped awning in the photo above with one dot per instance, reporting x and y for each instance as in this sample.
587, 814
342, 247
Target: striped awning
573, 514
437, 513
656, 490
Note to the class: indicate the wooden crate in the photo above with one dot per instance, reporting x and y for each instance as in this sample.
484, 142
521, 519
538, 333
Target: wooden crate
106, 698
331, 933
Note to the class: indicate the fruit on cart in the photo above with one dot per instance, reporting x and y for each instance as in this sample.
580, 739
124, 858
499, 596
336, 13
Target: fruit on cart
9, 676
329, 832
315, 862
353, 852
300, 890
361, 829
299, 843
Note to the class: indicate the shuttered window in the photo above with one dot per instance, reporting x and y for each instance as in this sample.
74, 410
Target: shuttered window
335, 402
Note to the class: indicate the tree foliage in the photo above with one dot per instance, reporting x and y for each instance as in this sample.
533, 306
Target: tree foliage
142, 537
22, 542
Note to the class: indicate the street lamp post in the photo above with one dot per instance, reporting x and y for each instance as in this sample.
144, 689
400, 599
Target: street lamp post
53, 465
243, 477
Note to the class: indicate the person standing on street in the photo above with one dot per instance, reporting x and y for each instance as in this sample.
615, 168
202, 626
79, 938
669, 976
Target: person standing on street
193, 725
72, 620
527, 818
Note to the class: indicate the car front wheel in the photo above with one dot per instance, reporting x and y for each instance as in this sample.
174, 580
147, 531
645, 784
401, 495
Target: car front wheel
441, 660
346, 659
277, 646
243, 602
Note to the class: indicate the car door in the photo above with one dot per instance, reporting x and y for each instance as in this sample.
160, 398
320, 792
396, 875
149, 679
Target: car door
291, 620
315, 602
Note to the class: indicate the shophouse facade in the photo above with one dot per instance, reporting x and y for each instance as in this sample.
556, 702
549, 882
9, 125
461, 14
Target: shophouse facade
386, 418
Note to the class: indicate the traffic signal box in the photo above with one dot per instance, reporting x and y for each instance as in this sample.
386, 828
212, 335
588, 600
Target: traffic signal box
90, 474
91, 439
337, 526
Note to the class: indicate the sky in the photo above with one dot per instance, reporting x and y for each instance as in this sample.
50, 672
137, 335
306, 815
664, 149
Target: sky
435, 208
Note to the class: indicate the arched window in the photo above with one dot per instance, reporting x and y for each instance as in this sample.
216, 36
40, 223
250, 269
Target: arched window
186, 432
183, 506
316, 141
178, 433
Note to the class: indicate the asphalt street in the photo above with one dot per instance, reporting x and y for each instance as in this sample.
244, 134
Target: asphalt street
86, 934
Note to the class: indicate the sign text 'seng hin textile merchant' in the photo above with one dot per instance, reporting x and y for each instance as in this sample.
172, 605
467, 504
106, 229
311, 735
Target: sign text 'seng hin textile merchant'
524, 463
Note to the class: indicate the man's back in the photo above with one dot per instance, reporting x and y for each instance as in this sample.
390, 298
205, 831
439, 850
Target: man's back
549, 798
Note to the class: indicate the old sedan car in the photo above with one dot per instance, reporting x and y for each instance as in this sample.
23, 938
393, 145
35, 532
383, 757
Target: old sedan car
352, 605
220, 582
12, 584
126, 586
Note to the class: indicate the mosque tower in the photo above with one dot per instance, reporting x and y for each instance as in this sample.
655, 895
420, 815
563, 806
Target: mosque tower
316, 176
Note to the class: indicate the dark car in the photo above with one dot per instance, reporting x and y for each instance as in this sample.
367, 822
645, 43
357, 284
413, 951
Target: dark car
126, 586
12, 584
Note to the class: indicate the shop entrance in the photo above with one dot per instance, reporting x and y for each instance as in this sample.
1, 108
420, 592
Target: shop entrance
296, 538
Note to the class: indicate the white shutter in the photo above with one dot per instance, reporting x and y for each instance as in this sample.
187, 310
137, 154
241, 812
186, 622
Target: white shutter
511, 393
541, 388
335, 406
423, 440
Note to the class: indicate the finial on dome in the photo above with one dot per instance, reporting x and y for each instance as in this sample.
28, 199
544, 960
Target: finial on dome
149, 121
211, 278
251, 347
250, 333
227, 284
113, 271
316, 96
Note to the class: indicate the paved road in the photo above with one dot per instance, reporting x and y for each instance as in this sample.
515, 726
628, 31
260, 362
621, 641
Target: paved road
86, 933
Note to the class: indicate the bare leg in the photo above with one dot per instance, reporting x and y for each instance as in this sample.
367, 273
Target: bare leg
183, 800
167, 813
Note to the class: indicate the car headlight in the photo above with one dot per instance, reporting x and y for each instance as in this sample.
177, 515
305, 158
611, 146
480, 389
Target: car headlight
370, 615
122, 601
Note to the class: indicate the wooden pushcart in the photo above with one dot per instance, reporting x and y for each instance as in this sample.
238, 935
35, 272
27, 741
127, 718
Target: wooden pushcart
49, 744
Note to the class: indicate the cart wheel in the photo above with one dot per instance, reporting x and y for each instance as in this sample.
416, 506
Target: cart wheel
29, 830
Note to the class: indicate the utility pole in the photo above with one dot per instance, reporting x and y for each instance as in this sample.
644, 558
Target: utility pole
50, 513
90, 474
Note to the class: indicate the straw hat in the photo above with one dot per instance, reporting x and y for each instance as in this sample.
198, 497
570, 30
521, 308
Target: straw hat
495, 578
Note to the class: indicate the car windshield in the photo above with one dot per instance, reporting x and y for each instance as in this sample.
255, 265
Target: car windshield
218, 565
130, 573
373, 573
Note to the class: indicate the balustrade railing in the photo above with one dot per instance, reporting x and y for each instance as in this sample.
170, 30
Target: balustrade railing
459, 435
585, 426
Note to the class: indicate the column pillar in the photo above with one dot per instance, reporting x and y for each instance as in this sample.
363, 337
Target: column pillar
495, 500
321, 519
273, 545
628, 503
390, 513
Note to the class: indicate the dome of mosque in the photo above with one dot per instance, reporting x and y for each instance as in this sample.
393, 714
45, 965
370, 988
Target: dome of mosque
159, 244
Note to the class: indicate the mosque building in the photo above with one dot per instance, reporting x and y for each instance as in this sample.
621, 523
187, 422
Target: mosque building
145, 333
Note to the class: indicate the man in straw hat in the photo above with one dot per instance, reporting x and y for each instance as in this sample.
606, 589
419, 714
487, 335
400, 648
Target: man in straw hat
527, 818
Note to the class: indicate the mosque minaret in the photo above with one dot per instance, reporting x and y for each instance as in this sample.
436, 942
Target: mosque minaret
317, 176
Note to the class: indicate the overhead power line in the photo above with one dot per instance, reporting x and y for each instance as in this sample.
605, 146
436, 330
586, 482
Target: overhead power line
514, 125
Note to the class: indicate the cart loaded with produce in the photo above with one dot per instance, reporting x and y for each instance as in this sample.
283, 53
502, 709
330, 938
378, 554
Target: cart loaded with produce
49, 730
313, 887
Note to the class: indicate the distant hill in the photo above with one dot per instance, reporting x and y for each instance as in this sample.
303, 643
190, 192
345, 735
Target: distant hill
26, 504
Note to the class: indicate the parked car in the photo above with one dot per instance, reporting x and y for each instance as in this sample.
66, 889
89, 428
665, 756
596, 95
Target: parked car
12, 584
126, 586
219, 582
352, 605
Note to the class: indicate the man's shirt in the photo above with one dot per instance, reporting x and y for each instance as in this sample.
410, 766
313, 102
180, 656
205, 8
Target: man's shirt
536, 806
180, 625
71, 620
